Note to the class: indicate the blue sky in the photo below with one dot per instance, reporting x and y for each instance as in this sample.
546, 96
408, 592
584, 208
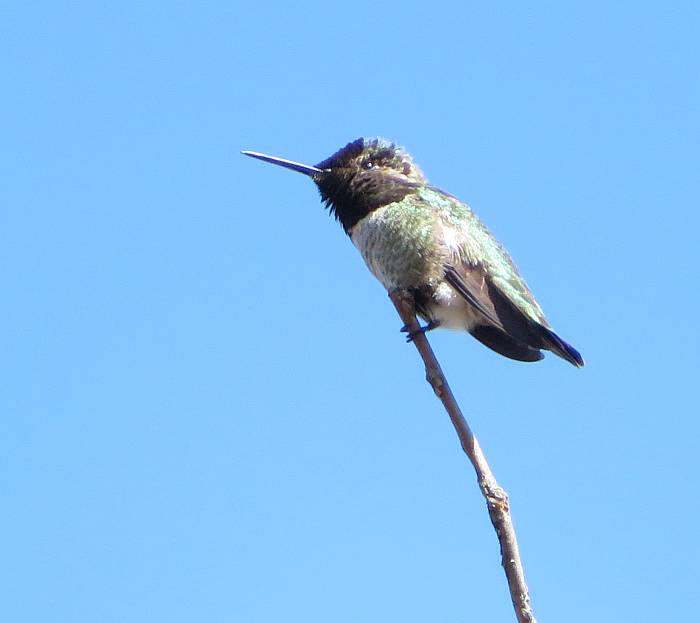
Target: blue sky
208, 412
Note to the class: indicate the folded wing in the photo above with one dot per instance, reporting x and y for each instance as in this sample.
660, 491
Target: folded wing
507, 328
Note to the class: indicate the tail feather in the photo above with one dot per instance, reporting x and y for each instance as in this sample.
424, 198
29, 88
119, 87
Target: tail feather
559, 347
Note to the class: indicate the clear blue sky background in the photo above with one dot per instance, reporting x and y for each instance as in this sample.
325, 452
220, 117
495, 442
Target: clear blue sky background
208, 412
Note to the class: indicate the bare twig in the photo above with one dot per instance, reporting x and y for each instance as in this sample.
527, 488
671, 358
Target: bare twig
496, 497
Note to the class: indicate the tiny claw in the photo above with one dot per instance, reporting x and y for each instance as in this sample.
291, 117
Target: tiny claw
433, 324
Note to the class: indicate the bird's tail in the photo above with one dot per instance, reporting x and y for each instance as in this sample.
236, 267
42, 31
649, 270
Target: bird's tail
559, 347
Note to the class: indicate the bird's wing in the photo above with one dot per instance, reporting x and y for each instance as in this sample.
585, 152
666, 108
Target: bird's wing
478, 260
475, 285
470, 283
482, 272
501, 327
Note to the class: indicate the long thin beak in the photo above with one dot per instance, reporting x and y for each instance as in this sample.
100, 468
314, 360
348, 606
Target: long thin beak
289, 164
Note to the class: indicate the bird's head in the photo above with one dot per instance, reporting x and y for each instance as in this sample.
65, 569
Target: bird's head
362, 176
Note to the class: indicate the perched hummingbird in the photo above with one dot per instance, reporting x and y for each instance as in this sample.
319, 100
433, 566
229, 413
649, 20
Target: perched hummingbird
426, 243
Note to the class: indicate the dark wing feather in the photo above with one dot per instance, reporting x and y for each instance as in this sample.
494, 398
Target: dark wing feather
523, 327
471, 285
506, 328
505, 345
477, 288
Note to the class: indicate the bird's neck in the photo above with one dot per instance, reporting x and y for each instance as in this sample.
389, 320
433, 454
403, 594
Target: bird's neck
352, 200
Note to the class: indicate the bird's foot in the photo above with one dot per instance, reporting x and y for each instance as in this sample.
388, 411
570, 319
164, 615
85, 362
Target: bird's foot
433, 324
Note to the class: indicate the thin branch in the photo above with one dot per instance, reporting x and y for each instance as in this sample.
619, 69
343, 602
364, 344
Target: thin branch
495, 495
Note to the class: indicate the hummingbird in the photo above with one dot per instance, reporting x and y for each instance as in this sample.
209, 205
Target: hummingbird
430, 246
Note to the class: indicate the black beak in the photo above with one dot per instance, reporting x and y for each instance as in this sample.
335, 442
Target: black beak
289, 164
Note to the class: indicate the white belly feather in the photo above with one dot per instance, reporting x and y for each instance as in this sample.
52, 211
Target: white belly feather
451, 310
